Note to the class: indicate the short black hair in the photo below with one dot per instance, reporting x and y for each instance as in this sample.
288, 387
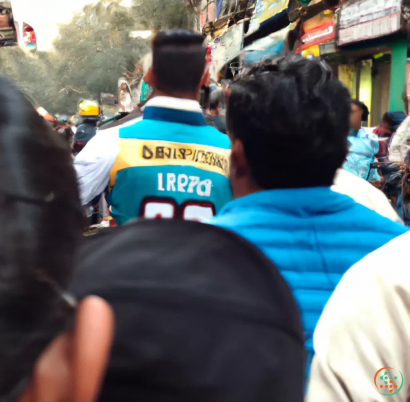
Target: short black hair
365, 109
179, 59
293, 123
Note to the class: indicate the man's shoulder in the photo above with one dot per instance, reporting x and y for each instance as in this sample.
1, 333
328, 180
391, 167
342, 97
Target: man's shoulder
368, 220
216, 138
102, 145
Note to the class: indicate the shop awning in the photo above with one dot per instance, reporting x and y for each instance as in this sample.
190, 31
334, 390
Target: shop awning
225, 48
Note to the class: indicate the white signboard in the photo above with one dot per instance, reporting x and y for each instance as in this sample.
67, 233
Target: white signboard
225, 48
368, 19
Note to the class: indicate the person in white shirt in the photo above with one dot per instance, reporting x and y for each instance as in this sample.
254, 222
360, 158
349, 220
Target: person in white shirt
400, 143
364, 328
364, 193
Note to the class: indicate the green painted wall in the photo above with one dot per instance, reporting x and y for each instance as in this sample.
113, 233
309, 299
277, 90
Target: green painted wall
398, 75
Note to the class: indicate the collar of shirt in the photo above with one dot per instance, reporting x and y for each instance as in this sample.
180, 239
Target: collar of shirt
282, 202
174, 110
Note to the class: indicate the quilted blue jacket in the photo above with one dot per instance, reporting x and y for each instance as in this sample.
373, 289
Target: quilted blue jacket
313, 236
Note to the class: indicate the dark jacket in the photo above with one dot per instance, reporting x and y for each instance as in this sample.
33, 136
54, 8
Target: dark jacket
85, 132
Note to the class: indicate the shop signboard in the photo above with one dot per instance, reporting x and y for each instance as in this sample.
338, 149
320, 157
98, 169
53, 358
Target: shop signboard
264, 11
225, 48
317, 36
368, 19
327, 48
319, 50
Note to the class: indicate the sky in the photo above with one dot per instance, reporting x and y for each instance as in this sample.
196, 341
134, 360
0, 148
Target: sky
44, 15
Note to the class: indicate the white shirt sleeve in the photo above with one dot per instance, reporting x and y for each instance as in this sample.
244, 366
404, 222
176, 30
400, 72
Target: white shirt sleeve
94, 163
365, 327
364, 193
398, 147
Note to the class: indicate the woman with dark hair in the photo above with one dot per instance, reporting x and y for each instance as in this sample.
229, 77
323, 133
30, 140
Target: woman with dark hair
41, 226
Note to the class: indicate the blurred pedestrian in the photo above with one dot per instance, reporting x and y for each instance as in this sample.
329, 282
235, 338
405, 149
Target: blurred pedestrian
124, 97
359, 115
289, 130
90, 114
216, 115
363, 145
51, 349
400, 143
170, 164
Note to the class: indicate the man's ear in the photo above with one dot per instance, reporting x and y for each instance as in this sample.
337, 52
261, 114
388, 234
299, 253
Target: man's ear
149, 78
72, 368
239, 164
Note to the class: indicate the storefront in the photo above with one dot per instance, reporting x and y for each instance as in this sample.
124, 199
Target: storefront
225, 49
372, 53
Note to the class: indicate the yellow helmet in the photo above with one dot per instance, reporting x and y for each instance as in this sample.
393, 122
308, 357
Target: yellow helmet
89, 108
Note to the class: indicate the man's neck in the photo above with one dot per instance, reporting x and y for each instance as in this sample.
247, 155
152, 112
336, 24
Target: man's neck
178, 95
243, 188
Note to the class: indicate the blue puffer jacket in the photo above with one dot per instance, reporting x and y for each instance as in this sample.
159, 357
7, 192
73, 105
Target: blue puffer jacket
313, 236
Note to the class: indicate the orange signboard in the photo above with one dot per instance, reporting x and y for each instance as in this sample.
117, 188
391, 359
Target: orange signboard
317, 36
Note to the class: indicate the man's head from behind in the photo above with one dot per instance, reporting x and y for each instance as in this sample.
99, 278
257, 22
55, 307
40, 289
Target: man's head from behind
178, 67
288, 128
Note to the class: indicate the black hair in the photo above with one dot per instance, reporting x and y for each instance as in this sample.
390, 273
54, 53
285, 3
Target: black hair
179, 59
293, 122
388, 121
41, 224
365, 109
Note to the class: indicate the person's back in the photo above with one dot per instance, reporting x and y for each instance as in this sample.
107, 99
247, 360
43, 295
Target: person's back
178, 164
193, 323
289, 133
85, 132
366, 321
170, 164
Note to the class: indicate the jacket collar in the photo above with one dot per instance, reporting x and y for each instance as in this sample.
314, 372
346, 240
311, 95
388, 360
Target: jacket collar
174, 110
296, 202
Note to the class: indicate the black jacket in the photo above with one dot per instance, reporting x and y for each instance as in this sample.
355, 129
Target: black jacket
85, 132
201, 316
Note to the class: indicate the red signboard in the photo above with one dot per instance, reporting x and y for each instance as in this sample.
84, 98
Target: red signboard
317, 36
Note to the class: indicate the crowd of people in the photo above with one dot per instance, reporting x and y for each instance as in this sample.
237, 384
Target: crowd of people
248, 266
